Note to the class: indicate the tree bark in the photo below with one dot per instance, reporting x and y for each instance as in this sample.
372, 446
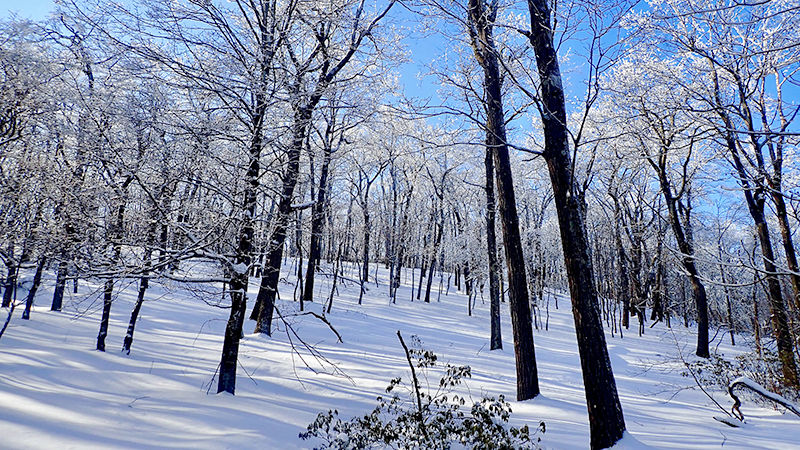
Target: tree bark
239, 273
754, 193
481, 22
496, 338
317, 225
144, 283
687, 257
271, 275
37, 280
786, 238
11, 278
606, 422
61, 281
437, 240
754, 188
115, 233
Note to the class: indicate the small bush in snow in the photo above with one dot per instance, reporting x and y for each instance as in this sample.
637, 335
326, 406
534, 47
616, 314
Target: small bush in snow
433, 418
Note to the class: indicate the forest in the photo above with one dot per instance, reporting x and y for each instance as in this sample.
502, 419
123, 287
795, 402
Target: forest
525, 217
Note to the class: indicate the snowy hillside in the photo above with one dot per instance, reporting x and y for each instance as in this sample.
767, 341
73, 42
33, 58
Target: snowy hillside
56, 391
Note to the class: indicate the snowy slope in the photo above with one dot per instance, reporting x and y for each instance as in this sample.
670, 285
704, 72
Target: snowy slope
57, 392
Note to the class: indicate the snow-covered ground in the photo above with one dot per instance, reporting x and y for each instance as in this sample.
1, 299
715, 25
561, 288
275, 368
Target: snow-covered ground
56, 391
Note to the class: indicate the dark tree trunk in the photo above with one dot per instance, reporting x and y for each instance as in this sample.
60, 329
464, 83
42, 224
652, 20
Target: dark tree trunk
780, 324
144, 283
496, 338
108, 299
317, 225
365, 250
687, 257
606, 422
269, 280
233, 333
128, 341
421, 277
10, 282
754, 192
37, 280
401, 241
108, 290
482, 23
437, 240
788, 245
298, 235
624, 284
243, 259
61, 281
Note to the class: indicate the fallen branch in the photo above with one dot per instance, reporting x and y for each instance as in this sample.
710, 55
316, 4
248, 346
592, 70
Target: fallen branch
323, 319
760, 390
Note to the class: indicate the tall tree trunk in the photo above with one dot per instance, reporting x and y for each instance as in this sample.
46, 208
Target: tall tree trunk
239, 272
422, 274
317, 225
755, 191
144, 283
11, 277
61, 281
402, 242
606, 422
37, 280
624, 284
496, 338
482, 23
780, 323
434, 251
271, 275
108, 299
788, 245
365, 250
682, 237
108, 289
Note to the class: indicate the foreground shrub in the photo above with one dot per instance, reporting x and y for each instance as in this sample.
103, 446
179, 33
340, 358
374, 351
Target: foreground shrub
409, 417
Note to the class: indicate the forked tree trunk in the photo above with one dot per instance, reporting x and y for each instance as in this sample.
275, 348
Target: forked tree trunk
108, 289
239, 279
269, 280
755, 190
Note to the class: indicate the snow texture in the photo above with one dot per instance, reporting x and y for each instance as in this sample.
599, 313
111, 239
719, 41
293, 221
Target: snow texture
57, 392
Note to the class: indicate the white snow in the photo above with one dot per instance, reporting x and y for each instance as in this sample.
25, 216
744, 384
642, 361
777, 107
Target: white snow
57, 392
303, 205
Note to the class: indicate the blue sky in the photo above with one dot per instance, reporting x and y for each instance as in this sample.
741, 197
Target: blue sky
31, 9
